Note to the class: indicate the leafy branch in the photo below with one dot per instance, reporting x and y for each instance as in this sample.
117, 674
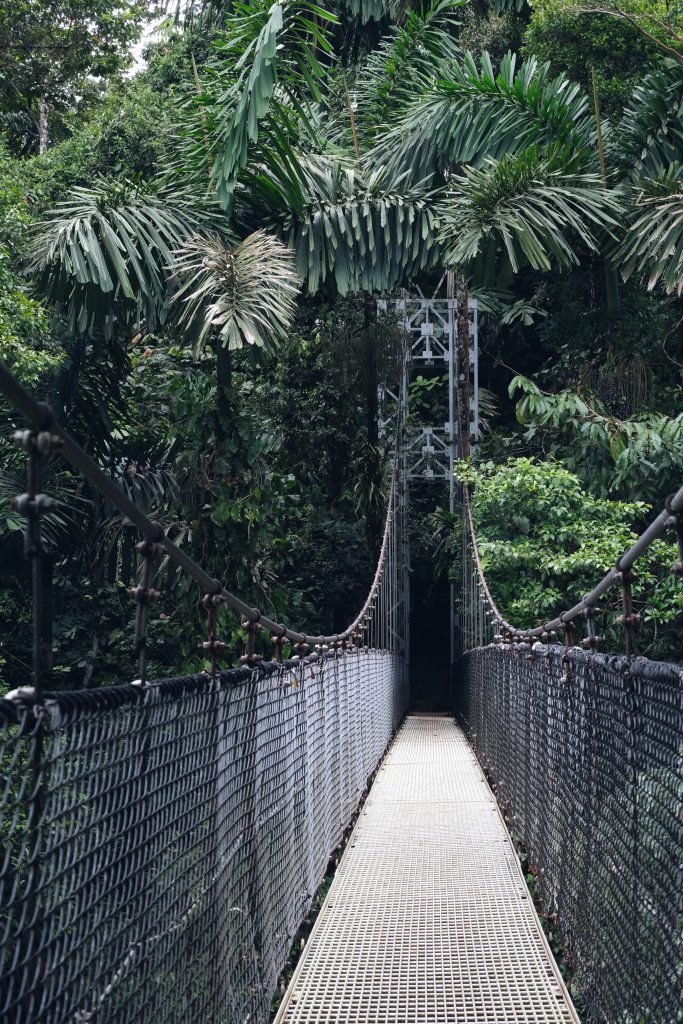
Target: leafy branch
627, 454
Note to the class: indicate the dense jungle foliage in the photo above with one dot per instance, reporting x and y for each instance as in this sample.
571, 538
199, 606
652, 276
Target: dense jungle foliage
199, 203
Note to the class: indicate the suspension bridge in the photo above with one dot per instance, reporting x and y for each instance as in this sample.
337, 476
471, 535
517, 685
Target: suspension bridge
163, 840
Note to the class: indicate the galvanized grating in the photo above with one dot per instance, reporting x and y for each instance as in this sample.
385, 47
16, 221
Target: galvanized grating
428, 920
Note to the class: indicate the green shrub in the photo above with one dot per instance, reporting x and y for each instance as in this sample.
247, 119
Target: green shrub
616, 50
544, 542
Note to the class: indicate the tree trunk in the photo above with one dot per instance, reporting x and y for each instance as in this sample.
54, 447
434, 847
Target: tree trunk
611, 276
463, 364
225, 398
371, 377
223, 370
43, 124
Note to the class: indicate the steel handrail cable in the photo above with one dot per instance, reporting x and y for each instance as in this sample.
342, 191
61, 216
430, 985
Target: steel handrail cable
43, 419
624, 564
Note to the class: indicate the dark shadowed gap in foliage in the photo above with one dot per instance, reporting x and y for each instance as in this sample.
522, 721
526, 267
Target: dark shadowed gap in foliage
429, 642
429, 598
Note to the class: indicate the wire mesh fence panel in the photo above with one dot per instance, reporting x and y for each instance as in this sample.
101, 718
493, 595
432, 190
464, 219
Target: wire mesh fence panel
162, 844
586, 751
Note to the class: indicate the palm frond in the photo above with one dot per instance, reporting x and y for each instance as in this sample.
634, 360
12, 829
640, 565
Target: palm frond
61, 524
245, 295
363, 232
409, 59
651, 131
369, 10
101, 255
652, 248
266, 47
530, 206
472, 114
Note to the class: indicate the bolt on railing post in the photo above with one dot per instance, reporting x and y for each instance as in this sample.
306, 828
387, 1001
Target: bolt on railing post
591, 641
279, 642
250, 657
300, 650
213, 646
568, 628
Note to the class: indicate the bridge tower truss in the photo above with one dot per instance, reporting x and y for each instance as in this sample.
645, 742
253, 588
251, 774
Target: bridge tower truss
428, 451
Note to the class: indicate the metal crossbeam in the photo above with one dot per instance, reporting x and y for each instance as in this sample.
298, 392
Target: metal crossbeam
428, 920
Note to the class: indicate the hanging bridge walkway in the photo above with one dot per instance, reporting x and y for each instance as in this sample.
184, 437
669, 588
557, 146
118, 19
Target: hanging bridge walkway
163, 840
429, 919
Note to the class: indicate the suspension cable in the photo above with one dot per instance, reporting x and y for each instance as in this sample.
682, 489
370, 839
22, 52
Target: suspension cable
42, 417
624, 564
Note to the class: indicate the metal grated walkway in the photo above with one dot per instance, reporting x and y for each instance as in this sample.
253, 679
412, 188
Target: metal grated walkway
428, 919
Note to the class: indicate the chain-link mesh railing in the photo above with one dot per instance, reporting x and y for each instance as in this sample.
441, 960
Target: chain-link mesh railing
162, 841
586, 754
161, 844
586, 751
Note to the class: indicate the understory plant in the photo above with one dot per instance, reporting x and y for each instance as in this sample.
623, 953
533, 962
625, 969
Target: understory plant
544, 541
631, 457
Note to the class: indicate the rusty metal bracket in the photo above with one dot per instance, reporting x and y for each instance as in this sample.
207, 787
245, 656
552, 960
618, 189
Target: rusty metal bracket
250, 657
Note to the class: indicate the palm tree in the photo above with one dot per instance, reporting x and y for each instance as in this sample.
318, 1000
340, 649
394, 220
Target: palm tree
424, 154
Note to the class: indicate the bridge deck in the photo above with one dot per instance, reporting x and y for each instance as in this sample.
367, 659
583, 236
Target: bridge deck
428, 919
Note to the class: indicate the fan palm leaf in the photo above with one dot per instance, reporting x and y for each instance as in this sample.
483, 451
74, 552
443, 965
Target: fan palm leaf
652, 248
244, 295
359, 232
